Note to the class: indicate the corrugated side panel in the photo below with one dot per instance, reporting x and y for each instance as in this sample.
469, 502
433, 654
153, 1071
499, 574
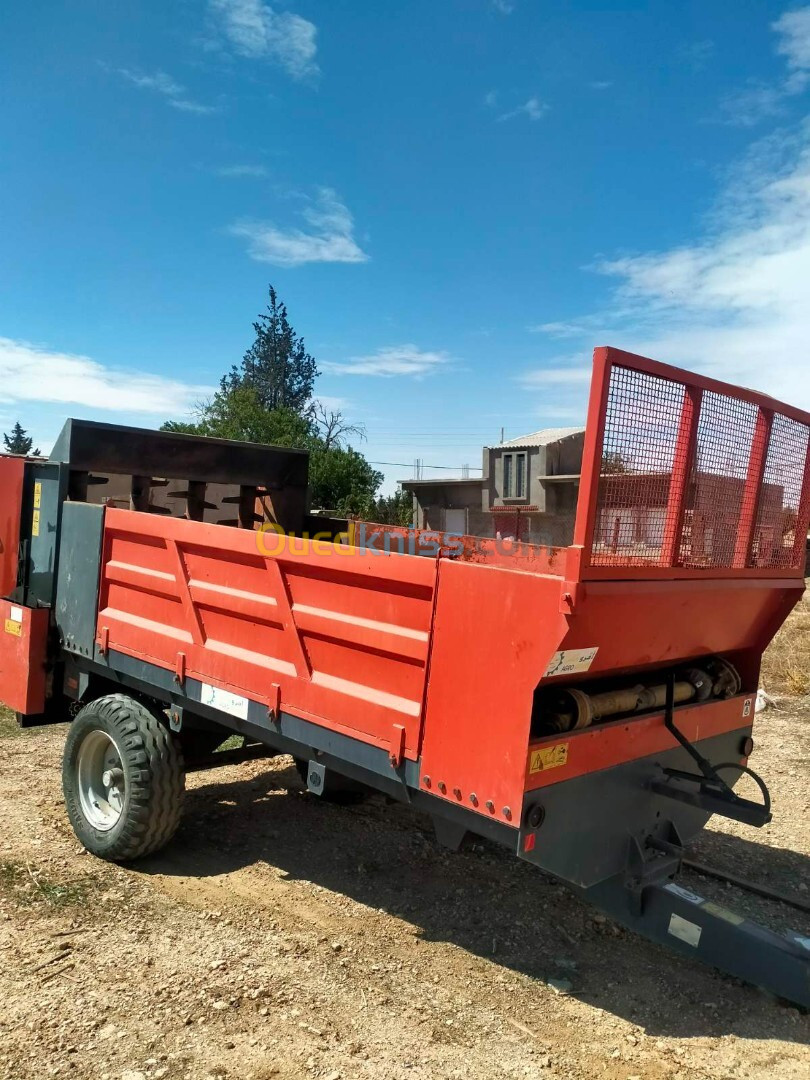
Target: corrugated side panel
342, 633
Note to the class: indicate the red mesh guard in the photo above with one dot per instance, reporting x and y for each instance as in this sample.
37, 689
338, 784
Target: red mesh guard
697, 495
780, 505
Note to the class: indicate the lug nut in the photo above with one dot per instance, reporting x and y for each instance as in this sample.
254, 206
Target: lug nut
426, 781
490, 806
473, 798
507, 813
442, 787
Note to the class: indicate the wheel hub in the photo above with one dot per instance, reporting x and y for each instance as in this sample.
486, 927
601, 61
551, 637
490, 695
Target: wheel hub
101, 780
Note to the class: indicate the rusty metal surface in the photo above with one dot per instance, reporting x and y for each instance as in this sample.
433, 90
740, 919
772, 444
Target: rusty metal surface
513, 554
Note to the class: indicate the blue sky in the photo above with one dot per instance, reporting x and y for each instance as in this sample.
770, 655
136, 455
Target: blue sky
457, 200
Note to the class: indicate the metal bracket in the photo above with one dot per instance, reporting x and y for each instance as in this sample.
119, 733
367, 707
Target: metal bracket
397, 751
654, 858
175, 717
180, 668
316, 776
274, 708
708, 790
571, 593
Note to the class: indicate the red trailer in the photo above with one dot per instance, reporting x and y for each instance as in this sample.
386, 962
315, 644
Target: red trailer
590, 707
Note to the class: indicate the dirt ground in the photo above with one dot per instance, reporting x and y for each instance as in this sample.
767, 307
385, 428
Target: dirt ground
279, 936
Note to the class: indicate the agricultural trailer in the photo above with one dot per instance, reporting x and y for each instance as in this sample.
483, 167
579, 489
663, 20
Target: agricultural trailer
588, 707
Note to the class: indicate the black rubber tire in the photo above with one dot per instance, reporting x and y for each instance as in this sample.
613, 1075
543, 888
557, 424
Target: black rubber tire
154, 779
337, 789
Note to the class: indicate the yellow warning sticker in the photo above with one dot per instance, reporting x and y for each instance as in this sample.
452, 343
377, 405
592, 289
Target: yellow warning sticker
37, 495
550, 757
13, 627
35, 524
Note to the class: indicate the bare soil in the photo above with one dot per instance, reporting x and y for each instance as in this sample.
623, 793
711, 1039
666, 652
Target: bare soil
279, 936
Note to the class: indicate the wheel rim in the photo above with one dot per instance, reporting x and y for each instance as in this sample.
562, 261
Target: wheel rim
101, 780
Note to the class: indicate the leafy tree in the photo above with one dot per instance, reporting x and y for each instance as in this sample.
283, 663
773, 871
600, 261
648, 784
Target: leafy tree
19, 442
238, 414
277, 366
396, 509
340, 478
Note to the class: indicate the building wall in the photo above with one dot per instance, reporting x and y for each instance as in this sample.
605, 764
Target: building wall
552, 524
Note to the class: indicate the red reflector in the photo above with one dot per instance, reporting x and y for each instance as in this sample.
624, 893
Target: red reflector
528, 842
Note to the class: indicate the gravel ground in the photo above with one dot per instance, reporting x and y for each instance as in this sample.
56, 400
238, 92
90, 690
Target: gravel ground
279, 936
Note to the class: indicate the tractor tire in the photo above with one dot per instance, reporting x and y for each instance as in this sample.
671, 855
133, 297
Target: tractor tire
123, 779
337, 789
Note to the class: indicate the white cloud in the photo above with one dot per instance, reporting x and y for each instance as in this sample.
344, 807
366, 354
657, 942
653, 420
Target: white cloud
256, 31
734, 303
239, 171
175, 94
561, 371
505, 7
534, 109
330, 239
559, 329
793, 28
33, 373
408, 360
184, 105
760, 100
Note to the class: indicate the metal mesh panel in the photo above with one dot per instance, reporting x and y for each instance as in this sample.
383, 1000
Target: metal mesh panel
716, 493
711, 515
641, 433
779, 508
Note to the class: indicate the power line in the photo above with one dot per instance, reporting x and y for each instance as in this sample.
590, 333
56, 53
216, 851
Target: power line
406, 465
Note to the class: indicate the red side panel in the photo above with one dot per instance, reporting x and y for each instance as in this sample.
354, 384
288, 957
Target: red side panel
494, 634
342, 633
11, 487
23, 644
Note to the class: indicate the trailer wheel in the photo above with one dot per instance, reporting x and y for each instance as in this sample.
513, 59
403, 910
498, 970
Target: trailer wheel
123, 779
337, 788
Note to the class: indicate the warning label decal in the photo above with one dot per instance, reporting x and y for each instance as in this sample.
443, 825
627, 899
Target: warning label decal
550, 757
569, 661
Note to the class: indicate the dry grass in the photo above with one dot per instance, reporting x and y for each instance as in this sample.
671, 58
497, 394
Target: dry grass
786, 663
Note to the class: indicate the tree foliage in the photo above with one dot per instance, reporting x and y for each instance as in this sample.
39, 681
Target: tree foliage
396, 509
277, 365
19, 441
340, 478
268, 399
